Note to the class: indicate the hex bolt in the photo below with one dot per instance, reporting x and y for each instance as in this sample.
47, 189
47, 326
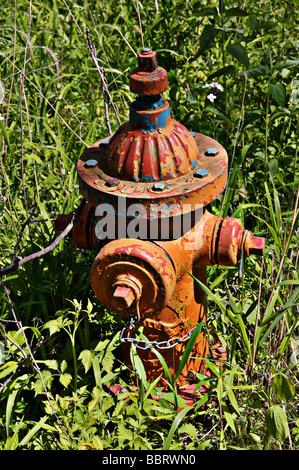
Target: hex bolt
159, 186
104, 143
256, 246
201, 173
125, 293
211, 152
91, 164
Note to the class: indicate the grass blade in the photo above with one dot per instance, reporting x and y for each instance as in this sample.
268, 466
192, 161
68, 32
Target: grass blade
188, 349
174, 427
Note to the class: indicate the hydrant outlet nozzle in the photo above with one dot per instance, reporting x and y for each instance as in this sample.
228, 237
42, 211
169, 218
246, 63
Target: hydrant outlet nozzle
62, 221
254, 245
231, 241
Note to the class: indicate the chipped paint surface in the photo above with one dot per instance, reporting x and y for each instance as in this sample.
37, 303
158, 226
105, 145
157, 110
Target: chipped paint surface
148, 78
155, 162
153, 158
141, 261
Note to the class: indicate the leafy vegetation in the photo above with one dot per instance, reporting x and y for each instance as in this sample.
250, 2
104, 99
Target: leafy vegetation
59, 346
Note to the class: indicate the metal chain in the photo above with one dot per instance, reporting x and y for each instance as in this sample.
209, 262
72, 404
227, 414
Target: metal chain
142, 344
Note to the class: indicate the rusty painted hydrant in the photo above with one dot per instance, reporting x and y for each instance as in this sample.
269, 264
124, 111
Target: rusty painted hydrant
147, 188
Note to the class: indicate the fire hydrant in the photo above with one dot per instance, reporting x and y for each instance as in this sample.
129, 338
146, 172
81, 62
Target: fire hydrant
147, 189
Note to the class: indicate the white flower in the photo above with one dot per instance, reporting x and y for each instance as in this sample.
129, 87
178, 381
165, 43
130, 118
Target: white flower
213, 85
211, 97
217, 86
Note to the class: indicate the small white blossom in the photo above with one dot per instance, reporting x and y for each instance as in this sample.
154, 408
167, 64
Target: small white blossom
211, 97
213, 85
217, 86
1, 118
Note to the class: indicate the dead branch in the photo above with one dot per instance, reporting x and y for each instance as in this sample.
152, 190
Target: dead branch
17, 262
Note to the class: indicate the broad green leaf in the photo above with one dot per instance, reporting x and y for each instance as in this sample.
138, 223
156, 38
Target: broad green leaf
213, 109
233, 11
124, 434
287, 63
273, 166
86, 356
54, 325
227, 70
256, 71
188, 428
204, 444
46, 381
63, 366
239, 53
207, 36
279, 93
101, 345
209, 11
52, 364
65, 379
108, 361
276, 422
283, 388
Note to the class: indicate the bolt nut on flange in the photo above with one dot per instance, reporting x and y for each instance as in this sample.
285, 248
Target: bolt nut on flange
211, 152
201, 173
91, 163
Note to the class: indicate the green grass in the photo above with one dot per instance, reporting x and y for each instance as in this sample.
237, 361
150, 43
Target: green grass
60, 345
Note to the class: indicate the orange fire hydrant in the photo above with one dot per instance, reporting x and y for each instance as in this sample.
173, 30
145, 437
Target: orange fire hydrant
147, 189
